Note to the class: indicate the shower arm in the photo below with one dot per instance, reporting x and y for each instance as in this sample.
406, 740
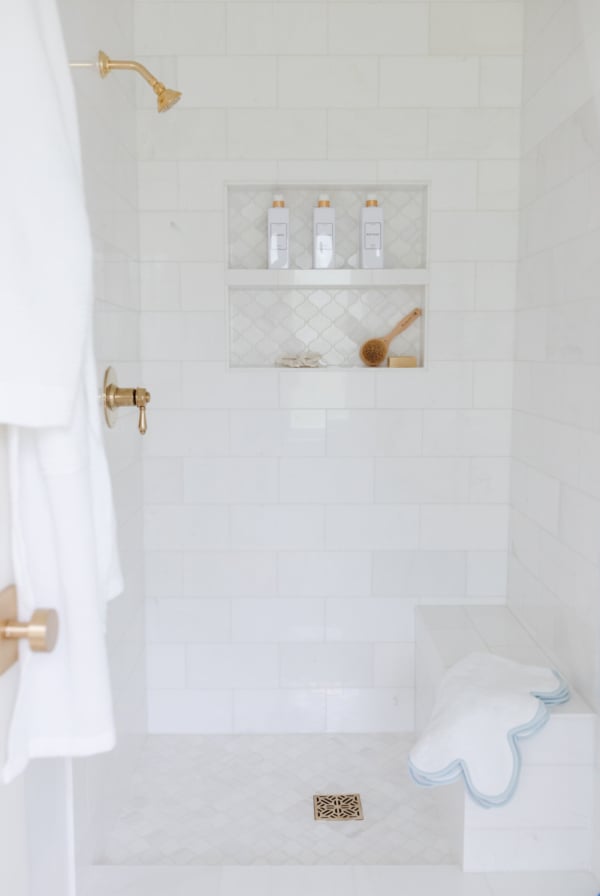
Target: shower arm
106, 65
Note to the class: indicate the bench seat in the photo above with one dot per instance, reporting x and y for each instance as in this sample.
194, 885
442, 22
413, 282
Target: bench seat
548, 823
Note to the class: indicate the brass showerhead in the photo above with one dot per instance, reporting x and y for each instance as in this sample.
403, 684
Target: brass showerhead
165, 97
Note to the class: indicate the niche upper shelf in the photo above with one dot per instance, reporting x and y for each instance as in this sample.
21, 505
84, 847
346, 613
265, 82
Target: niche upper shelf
405, 227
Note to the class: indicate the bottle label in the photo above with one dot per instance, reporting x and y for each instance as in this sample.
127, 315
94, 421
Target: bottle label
324, 238
278, 237
372, 235
325, 230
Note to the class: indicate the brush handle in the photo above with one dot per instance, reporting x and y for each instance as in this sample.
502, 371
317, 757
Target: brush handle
403, 325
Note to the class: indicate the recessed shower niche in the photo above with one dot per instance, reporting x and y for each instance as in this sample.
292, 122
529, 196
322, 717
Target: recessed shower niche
327, 312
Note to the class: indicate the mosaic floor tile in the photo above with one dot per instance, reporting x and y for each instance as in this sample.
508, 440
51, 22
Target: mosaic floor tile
248, 800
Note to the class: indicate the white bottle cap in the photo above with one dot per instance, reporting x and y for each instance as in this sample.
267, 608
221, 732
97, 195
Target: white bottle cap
278, 201
371, 199
324, 200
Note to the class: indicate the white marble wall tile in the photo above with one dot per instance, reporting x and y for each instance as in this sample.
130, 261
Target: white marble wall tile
376, 709
228, 574
327, 82
326, 389
176, 527
279, 133
380, 28
474, 528
230, 481
215, 82
164, 573
165, 666
278, 433
176, 621
280, 527
190, 712
180, 28
191, 134
421, 480
415, 573
185, 433
324, 573
393, 663
441, 385
327, 665
279, 710
501, 81
216, 386
377, 134
371, 527
258, 620
372, 619
233, 665
326, 480
481, 28
474, 133
163, 480
466, 433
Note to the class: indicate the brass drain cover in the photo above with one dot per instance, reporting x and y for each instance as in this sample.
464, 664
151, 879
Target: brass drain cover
337, 807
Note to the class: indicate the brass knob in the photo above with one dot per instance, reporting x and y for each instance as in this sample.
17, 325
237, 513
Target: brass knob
41, 631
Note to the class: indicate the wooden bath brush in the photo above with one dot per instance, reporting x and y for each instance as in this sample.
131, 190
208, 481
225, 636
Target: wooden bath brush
374, 351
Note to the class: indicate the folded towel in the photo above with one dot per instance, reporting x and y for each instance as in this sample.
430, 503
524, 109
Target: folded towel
484, 705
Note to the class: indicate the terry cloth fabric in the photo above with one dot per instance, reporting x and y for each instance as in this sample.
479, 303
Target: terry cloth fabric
485, 704
62, 519
45, 248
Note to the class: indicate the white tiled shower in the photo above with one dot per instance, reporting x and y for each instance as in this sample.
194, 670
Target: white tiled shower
293, 520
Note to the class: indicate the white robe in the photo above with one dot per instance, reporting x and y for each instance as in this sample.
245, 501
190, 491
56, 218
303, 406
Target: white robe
63, 528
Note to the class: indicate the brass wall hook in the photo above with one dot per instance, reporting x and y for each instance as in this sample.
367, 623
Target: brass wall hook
41, 631
113, 397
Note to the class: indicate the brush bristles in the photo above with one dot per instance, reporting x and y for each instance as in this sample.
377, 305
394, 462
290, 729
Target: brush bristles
373, 352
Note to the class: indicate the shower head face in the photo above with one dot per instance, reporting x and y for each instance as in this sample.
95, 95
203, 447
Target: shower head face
166, 99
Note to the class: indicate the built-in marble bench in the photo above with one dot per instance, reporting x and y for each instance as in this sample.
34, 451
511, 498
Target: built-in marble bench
548, 823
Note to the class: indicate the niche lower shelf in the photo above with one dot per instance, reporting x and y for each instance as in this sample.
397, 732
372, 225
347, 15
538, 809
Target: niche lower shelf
272, 319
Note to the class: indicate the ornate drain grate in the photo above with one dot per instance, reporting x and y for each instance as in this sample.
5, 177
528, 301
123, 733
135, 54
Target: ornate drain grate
338, 807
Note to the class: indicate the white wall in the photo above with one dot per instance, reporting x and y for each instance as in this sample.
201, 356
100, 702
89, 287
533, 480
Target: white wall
274, 613
107, 120
554, 582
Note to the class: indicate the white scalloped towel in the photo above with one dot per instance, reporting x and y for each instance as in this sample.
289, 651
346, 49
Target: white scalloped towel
484, 705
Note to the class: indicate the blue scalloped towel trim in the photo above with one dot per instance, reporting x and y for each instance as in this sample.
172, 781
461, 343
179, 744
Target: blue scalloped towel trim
458, 768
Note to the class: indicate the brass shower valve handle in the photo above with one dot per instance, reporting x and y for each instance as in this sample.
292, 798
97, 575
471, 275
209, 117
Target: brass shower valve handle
114, 396
142, 397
